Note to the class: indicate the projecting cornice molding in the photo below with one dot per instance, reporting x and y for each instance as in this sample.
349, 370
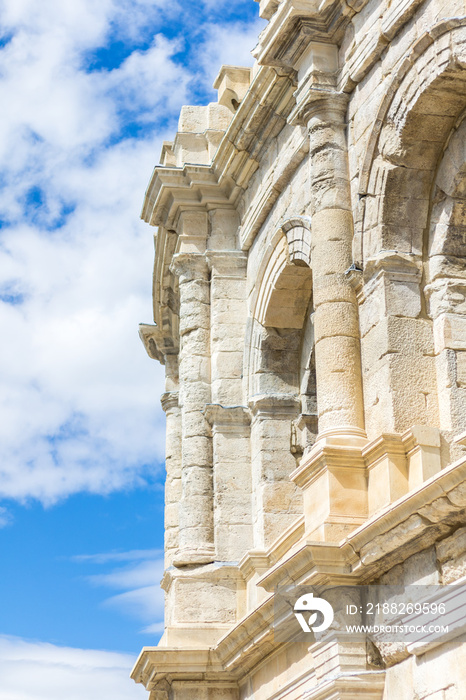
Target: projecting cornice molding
297, 22
294, 24
172, 190
406, 527
157, 343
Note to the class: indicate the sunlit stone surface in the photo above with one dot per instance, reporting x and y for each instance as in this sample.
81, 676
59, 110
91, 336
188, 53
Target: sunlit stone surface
310, 311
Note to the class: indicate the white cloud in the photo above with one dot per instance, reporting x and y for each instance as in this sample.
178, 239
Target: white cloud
139, 575
79, 406
79, 401
149, 78
5, 517
156, 628
106, 557
144, 603
228, 44
33, 670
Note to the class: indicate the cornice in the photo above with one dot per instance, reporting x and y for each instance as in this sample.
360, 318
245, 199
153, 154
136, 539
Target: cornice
364, 685
297, 22
310, 563
260, 117
165, 289
170, 401
412, 523
266, 107
157, 343
274, 406
172, 190
176, 663
253, 562
227, 418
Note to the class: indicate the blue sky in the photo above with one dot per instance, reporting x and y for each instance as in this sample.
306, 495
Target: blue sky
89, 91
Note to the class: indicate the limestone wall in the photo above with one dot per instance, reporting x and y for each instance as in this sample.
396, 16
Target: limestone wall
309, 307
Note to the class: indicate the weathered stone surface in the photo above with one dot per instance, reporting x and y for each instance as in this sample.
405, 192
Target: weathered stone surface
310, 302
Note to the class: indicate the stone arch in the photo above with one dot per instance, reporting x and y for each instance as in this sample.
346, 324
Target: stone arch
284, 279
417, 117
417, 114
445, 272
281, 334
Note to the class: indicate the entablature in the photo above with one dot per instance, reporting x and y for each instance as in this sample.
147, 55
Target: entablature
260, 116
412, 524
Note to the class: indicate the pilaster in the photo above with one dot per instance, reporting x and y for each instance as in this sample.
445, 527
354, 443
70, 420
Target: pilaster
387, 471
422, 444
276, 500
397, 346
333, 480
202, 604
232, 480
445, 299
228, 324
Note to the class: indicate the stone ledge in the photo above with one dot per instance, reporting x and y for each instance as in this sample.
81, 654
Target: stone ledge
415, 522
181, 663
367, 685
157, 343
412, 523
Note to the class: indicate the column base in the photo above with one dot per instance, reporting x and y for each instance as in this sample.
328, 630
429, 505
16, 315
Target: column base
194, 556
333, 479
201, 604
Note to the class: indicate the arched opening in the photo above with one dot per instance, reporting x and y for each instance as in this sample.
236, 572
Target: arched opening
405, 247
445, 291
281, 377
282, 336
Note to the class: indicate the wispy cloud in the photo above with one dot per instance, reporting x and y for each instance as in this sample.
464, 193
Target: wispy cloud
139, 580
107, 557
5, 517
55, 672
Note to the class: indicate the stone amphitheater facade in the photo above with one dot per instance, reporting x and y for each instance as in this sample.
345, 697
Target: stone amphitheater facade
310, 311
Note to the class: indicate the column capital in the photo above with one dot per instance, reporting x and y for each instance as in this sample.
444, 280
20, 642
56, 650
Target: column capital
275, 406
227, 418
402, 266
325, 105
227, 263
189, 266
169, 401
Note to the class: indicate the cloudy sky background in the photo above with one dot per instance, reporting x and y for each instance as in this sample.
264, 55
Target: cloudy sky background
89, 90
